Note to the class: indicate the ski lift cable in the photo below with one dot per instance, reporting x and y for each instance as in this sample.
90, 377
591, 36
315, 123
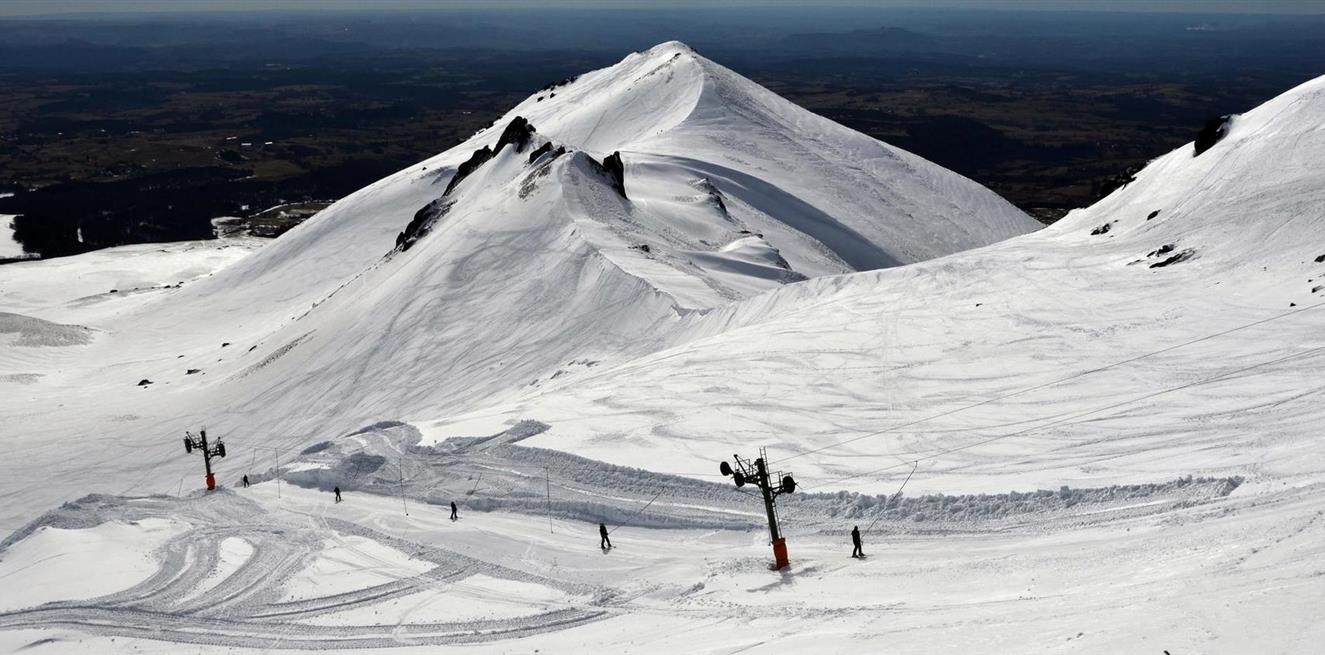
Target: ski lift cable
1061, 380
1188, 385
888, 503
470, 495
637, 512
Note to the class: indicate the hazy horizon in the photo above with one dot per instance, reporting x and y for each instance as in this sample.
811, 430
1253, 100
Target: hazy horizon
95, 8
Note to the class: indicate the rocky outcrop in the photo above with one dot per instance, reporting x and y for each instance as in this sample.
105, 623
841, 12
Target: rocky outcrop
423, 221
480, 157
544, 149
517, 132
1180, 257
561, 82
1215, 129
1115, 182
616, 171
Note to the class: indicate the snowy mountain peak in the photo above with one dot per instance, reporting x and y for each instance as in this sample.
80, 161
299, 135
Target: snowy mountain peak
669, 48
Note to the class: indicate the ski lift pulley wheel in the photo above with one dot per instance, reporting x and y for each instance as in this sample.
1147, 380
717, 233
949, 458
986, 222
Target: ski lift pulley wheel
725, 468
188, 446
220, 449
788, 484
738, 478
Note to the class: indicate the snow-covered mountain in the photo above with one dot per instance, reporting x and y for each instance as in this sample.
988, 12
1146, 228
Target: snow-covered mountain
587, 225
571, 317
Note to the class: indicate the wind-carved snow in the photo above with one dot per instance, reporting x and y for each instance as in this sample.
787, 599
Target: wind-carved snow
1109, 456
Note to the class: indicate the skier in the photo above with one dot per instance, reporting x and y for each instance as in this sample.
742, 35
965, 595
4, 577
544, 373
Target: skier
856, 552
454, 516
337, 492
244, 481
603, 542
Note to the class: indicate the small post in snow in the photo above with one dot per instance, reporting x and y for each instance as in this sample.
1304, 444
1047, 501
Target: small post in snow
400, 464
547, 479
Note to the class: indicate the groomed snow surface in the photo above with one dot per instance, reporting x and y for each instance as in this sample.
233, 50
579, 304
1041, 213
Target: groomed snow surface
1111, 426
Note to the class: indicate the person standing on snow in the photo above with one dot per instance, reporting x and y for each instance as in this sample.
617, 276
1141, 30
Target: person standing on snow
856, 552
454, 515
337, 492
603, 541
244, 481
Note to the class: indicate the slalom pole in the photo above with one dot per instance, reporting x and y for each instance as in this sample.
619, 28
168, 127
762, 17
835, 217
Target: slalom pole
895, 496
637, 512
400, 466
547, 479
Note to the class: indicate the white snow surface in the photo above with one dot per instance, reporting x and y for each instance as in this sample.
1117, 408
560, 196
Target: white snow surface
9, 247
55, 564
1160, 380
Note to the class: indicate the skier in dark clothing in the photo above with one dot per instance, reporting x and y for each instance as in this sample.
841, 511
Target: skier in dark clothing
244, 481
454, 516
856, 552
337, 492
603, 542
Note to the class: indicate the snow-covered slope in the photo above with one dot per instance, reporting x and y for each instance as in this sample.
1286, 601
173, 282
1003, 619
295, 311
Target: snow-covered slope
527, 252
1158, 377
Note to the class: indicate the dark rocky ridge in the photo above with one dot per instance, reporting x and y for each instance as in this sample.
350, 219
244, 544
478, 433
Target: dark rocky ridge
480, 157
423, 221
519, 132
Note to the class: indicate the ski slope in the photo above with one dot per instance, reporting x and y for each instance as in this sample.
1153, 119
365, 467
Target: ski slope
1112, 434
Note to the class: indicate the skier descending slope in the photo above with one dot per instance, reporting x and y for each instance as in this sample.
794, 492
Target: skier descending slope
454, 512
856, 551
604, 542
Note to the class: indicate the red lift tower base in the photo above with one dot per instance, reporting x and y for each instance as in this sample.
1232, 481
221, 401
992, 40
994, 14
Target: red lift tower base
211, 482
780, 554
